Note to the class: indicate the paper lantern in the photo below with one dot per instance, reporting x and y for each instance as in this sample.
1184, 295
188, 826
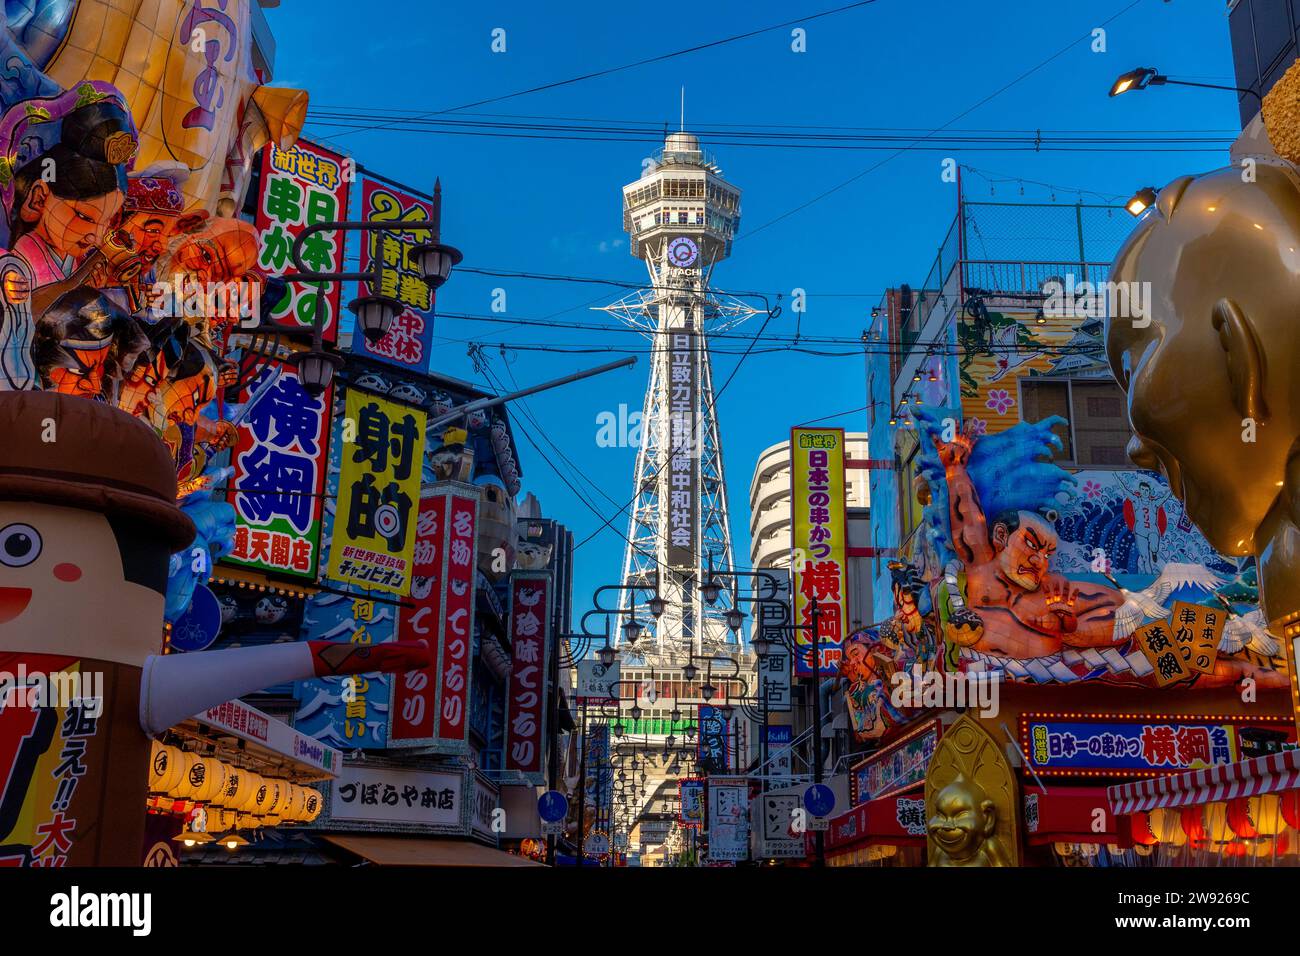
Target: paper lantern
247, 821
312, 808
263, 796
1193, 819
238, 788
1216, 823
1289, 800
283, 797
182, 789
1167, 825
1140, 827
297, 802
165, 768
220, 821
1266, 812
1240, 820
214, 779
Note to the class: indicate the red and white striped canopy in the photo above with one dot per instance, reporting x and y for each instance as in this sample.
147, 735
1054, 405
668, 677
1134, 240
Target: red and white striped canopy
1246, 778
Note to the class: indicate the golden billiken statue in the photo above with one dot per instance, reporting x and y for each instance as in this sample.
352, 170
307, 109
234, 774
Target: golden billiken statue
1210, 368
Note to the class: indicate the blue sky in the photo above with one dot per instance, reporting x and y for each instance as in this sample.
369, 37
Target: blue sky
551, 206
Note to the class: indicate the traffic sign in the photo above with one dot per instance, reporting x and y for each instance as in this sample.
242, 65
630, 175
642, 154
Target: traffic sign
819, 799
552, 806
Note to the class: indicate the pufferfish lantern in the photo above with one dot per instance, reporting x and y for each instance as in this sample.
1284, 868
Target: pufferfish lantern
88, 521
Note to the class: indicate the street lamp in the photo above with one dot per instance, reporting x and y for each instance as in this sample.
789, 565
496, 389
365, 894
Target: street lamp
607, 655
315, 369
435, 261
1137, 79
710, 590
735, 618
631, 630
657, 606
1141, 201
1145, 76
375, 313
761, 645
707, 690
690, 671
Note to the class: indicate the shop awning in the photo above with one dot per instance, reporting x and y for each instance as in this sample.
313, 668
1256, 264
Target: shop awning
1246, 778
1069, 815
898, 820
423, 851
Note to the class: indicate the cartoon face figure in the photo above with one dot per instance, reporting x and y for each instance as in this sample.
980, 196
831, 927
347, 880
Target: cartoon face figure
963, 819
1024, 554
61, 568
72, 227
1207, 350
271, 610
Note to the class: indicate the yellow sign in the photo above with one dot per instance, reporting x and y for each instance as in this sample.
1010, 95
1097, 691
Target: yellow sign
373, 542
819, 545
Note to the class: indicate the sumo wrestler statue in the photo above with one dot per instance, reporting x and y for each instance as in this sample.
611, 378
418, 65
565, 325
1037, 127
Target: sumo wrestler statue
88, 522
1209, 353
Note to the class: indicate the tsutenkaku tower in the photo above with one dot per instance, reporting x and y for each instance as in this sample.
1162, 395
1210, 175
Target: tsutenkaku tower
680, 216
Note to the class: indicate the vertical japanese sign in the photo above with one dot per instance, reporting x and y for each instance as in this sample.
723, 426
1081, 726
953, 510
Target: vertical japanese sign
410, 337
683, 449
300, 187
379, 483
430, 706
773, 621
728, 819
691, 812
819, 545
530, 638
280, 459
713, 750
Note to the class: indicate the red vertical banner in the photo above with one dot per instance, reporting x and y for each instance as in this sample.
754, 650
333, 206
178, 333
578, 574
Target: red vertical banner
413, 715
530, 639
430, 706
458, 631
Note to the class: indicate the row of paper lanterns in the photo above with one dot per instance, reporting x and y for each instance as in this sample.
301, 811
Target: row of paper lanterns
236, 798
1243, 826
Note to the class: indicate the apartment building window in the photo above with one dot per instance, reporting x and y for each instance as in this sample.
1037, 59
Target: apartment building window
1096, 431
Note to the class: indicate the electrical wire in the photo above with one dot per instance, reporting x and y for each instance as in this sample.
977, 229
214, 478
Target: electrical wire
643, 62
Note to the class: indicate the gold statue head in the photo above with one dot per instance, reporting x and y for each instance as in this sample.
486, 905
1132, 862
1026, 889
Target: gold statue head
1204, 336
963, 819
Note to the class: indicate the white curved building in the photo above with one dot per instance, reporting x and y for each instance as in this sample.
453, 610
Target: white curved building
769, 500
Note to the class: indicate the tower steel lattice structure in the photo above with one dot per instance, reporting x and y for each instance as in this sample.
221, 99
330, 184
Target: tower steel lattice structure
681, 217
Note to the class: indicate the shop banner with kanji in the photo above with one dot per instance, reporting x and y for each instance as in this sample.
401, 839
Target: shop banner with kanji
280, 459
819, 546
373, 543
301, 186
430, 706
713, 749
1068, 746
408, 341
530, 638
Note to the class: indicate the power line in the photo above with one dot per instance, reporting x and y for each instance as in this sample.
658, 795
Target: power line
870, 169
644, 62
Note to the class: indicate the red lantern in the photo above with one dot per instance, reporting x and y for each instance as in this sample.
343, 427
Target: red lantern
1239, 818
1194, 824
1140, 826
